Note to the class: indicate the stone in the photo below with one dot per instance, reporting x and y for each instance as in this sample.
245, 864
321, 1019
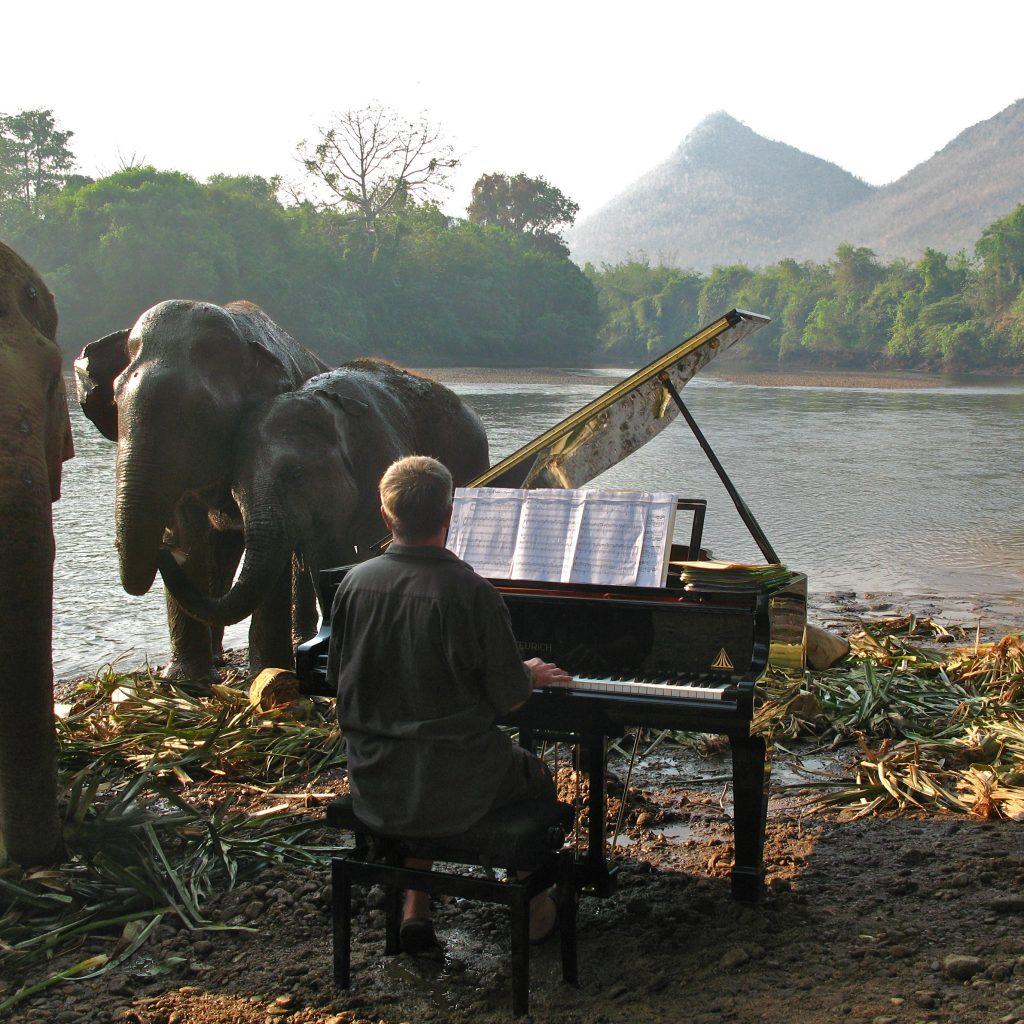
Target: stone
376, 897
1012, 903
960, 967
273, 688
824, 649
914, 855
733, 958
254, 911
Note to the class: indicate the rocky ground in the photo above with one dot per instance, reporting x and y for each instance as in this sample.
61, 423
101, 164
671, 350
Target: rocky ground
874, 920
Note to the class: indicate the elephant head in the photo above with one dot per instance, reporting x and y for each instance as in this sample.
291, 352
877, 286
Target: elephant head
308, 470
35, 440
305, 480
171, 392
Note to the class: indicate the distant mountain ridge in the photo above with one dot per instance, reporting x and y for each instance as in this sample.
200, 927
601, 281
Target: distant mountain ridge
729, 195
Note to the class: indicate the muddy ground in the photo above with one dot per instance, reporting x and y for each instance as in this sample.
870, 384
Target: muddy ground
875, 920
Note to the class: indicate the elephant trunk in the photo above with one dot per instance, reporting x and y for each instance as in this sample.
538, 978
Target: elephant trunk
143, 509
267, 555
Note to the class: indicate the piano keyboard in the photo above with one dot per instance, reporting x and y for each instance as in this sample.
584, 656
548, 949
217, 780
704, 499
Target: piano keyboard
694, 689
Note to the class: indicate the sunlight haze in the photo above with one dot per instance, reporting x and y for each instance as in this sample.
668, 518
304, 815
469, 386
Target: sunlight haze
588, 95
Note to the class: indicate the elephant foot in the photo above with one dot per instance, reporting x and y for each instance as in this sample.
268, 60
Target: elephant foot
192, 678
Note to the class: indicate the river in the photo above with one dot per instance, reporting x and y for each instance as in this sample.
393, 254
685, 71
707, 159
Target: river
911, 493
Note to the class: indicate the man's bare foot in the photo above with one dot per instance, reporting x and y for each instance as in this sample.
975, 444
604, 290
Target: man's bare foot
543, 916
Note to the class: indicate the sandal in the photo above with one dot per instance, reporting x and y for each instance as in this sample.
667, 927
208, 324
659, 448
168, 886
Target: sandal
416, 935
548, 932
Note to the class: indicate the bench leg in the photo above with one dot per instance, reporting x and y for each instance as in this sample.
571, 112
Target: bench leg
567, 902
341, 919
520, 913
392, 920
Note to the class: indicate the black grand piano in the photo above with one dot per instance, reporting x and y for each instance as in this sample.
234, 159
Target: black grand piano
684, 657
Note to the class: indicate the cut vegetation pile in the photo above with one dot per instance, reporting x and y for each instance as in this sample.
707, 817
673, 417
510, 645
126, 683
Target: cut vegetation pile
138, 850
940, 721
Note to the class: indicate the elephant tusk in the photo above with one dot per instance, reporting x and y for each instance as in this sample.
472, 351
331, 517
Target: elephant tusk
177, 554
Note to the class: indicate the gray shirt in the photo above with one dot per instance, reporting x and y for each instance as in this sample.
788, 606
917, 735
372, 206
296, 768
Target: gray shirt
424, 658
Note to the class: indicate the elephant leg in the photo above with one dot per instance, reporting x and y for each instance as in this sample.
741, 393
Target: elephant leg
226, 547
304, 608
270, 629
191, 640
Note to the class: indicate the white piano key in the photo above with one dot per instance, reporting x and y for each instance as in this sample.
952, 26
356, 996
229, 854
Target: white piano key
633, 688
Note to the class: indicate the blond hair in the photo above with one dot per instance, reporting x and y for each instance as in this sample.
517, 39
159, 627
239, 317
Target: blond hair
416, 494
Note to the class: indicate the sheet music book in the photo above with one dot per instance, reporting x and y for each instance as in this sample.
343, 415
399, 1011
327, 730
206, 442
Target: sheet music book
564, 536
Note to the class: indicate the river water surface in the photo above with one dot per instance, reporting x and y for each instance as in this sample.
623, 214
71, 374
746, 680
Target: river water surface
902, 492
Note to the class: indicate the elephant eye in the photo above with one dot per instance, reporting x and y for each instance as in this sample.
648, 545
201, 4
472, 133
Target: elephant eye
31, 292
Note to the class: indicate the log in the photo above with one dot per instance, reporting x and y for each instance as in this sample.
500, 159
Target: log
273, 688
824, 649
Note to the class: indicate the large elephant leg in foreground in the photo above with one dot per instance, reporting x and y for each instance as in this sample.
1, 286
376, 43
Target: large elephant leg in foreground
35, 437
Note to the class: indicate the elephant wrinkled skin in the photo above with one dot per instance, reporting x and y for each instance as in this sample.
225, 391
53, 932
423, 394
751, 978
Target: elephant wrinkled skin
35, 440
172, 392
309, 468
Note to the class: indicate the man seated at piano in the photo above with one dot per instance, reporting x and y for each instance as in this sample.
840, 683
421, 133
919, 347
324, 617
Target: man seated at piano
425, 664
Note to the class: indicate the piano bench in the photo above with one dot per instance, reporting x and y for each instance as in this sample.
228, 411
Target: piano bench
523, 837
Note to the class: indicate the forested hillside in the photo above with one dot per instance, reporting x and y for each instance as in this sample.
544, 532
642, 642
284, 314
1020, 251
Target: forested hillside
728, 195
942, 203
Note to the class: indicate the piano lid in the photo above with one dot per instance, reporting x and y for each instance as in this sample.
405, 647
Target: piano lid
622, 420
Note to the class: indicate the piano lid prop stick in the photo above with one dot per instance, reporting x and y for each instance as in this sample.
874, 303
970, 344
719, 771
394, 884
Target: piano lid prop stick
737, 499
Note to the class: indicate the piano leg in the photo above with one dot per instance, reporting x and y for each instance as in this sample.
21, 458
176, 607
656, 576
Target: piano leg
751, 771
596, 874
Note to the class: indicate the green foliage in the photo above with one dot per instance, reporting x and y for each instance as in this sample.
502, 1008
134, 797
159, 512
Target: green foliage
529, 206
942, 313
35, 161
425, 289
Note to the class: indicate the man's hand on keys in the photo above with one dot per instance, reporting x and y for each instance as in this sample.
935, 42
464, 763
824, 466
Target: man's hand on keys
543, 673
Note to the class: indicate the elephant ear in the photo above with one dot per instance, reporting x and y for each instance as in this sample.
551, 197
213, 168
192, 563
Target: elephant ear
96, 369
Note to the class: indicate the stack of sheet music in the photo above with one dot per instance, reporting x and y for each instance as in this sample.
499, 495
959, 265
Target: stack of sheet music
715, 573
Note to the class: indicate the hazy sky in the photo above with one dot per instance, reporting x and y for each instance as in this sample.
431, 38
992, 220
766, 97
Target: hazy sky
588, 94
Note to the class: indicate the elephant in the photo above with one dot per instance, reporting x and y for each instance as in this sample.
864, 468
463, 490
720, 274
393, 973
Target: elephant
35, 441
173, 392
309, 468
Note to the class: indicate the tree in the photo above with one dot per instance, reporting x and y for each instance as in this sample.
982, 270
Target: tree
35, 160
530, 206
372, 160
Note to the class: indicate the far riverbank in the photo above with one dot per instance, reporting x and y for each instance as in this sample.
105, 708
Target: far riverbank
766, 378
